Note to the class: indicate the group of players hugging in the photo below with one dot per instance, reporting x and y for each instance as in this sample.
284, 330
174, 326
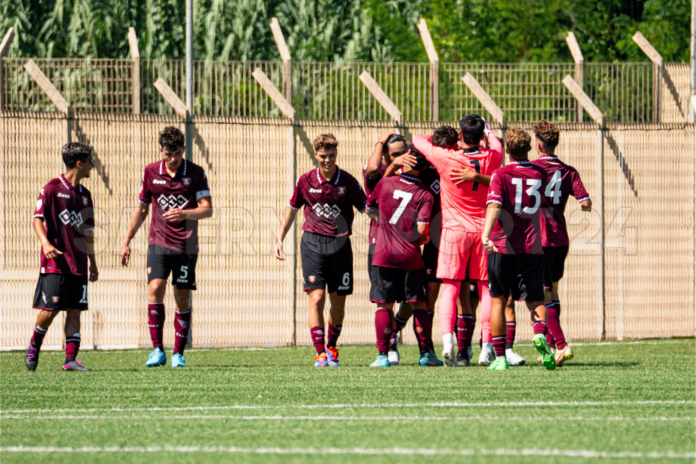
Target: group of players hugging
491, 235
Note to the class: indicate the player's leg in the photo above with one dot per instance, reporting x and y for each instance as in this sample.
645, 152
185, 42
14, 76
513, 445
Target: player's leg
487, 350
432, 292
474, 304
400, 321
448, 309
315, 269
389, 288
49, 303
548, 285
336, 314
384, 316
317, 299
43, 322
72, 341
465, 327
432, 288
159, 266
339, 282
497, 320
553, 303
182, 324
530, 271
513, 358
413, 284
502, 279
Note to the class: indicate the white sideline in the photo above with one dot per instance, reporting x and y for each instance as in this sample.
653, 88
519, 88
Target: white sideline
589, 454
363, 406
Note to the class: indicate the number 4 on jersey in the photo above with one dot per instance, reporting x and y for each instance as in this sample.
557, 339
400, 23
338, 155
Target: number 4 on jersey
553, 188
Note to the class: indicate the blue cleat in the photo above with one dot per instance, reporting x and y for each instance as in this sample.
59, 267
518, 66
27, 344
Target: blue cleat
381, 361
332, 356
429, 359
157, 358
321, 360
178, 360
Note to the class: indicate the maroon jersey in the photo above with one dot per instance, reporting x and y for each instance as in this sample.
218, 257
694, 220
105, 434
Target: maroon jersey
403, 202
563, 181
370, 183
519, 188
67, 213
431, 179
179, 192
328, 203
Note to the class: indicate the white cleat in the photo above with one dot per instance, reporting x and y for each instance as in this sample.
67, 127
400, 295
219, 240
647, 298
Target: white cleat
514, 359
447, 354
487, 356
394, 357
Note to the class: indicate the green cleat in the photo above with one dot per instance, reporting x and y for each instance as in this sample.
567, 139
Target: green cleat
547, 358
429, 359
499, 364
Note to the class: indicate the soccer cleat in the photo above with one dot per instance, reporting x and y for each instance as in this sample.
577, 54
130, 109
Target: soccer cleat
542, 347
447, 349
499, 364
462, 359
470, 352
541, 360
321, 360
31, 359
157, 358
332, 356
514, 359
178, 360
563, 355
381, 361
487, 355
427, 359
75, 366
394, 357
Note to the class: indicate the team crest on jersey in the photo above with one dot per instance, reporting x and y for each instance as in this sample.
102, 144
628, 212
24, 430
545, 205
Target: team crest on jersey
435, 187
312, 279
186, 181
428, 271
341, 190
84, 201
55, 299
149, 270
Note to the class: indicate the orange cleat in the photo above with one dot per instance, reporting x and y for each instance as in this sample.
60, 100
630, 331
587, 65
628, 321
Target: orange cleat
332, 356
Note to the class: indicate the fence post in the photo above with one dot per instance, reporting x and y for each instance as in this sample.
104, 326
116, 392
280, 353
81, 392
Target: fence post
4, 48
598, 117
579, 68
434, 70
289, 112
53, 94
135, 68
488, 103
382, 98
285, 56
658, 69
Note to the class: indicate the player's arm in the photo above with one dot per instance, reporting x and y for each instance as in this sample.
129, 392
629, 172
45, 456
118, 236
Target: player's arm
49, 250
89, 244
492, 215
405, 162
137, 218
466, 174
372, 213
423, 218
288, 219
586, 204
204, 210
580, 192
490, 141
375, 162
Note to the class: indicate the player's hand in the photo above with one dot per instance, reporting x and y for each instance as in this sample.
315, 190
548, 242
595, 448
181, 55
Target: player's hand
124, 255
50, 251
425, 238
93, 272
586, 205
174, 215
463, 174
383, 138
405, 162
279, 250
488, 245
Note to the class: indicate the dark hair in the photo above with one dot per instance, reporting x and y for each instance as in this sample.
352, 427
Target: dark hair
172, 139
445, 137
472, 127
394, 138
421, 161
74, 152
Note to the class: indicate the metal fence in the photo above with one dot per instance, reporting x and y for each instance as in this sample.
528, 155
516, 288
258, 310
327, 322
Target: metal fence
625, 92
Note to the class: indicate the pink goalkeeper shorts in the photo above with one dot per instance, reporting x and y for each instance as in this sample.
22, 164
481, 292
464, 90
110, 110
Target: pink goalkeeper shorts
461, 255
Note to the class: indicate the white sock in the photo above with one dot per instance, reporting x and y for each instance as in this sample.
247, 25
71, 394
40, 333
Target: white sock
447, 339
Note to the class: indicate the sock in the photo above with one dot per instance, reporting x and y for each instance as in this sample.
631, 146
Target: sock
448, 305
470, 333
431, 315
334, 333
423, 329
38, 337
510, 339
540, 327
549, 339
318, 338
465, 325
553, 313
72, 346
383, 329
485, 298
499, 346
155, 321
182, 325
399, 323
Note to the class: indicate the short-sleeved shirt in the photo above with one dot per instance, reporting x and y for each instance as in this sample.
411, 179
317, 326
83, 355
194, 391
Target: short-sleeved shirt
519, 188
403, 202
563, 181
67, 213
464, 205
166, 193
370, 183
328, 203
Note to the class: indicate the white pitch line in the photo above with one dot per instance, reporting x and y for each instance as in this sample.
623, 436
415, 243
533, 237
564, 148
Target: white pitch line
588, 454
366, 406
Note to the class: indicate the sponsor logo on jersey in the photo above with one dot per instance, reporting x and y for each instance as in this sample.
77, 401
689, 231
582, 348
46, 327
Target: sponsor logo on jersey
69, 217
341, 190
171, 202
159, 181
186, 181
149, 270
344, 288
326, 210
312, 279
313, 190
55, 299
63, 195
435, 186
84, 201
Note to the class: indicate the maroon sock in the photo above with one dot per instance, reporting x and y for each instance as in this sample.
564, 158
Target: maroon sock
553, 313
464, 328
540, 328
155, 321
424, 329
72, 347
182, 325
510, 339
499, 346
431, 315
383, 329
334, 333
38, 337
318, 339
470, 334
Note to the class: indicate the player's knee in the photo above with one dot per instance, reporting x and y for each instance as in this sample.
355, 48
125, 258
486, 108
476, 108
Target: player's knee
316, 296
157, 290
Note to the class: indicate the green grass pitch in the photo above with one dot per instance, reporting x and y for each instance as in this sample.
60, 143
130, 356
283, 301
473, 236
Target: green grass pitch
616, 401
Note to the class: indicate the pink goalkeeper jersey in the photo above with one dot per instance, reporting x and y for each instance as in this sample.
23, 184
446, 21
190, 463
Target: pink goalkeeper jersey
463, 205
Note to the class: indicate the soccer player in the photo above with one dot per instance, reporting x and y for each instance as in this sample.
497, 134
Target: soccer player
402, 205
463, 212
179, 193
328, 195
64, 224
563, 181
512, 236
